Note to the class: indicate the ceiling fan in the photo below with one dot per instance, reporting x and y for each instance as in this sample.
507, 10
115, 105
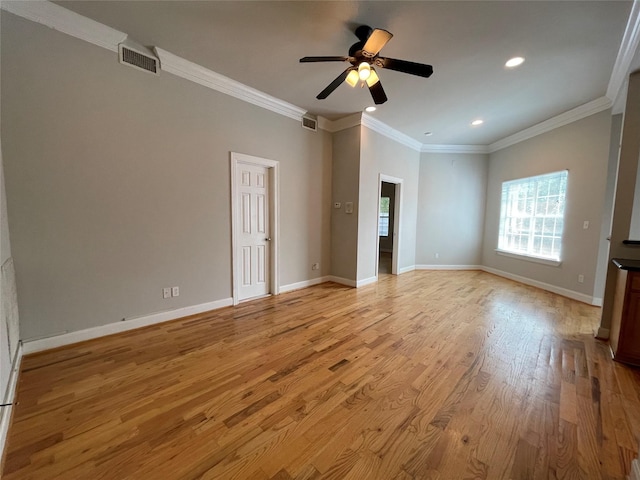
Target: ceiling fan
363, 57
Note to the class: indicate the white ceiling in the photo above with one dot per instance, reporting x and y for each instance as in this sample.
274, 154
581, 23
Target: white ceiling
570, 49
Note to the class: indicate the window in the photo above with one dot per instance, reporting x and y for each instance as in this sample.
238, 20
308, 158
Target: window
532, 216
383, 218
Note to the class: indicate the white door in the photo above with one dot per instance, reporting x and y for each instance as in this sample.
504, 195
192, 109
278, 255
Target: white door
253, 244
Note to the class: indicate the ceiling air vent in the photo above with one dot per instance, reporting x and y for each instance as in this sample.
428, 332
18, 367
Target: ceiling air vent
138, 56
310, 123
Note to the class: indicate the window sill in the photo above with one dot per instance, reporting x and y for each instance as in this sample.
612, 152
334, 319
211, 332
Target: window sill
529, 258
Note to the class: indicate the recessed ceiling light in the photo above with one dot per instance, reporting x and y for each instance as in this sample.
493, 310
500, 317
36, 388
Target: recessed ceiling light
428, 134
514, 62
477, 122
370, 109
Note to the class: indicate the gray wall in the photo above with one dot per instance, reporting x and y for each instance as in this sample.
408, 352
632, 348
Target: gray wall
9, 329
118, 184
581, 147
344, 226
607, 209
451, 208
381, 155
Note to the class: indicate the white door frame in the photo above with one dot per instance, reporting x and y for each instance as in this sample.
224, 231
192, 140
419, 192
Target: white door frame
397, 209
274, 221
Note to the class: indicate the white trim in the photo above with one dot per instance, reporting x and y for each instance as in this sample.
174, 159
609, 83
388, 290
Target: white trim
634, 474
66, 21
342, 281
340, 124
274, 220
430, 148
402, 270
449, 267
603, 334
31, 346
596, 301
581, 297
9, 397
208, 78
529, 258
389, 132
366, 281
628, 47
304, 284
573, 115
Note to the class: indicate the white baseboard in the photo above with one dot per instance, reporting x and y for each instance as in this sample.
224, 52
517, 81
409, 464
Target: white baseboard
634, 474
603, 334
410, 268
581, 297
304, 284
9, 397
342, 281
449, 267
366, 281
39, 345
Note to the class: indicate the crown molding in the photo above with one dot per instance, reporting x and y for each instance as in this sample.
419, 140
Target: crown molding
208, 78
392, 133
372, 124
628, 47
66, 21
427, 148
343, 123
578, 113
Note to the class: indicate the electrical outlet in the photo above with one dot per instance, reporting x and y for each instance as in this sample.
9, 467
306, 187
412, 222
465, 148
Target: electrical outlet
585, 224
166, 292
175, 291
315, 266
580, 278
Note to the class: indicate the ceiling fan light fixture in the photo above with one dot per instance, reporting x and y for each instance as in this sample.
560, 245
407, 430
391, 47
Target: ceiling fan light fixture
352, 78
373, 78
364, 71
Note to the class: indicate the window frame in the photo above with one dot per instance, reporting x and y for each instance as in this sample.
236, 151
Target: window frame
534, 217
382, 215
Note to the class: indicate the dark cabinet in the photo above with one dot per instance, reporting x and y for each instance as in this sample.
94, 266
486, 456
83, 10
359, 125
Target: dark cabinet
625, 324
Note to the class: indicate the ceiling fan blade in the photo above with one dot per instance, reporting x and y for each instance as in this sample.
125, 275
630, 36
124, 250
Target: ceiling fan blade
333, 85
377, 93
323, 59
413, 68
375, 42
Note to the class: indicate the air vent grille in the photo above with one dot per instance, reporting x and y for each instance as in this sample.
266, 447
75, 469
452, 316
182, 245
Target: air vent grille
309, 123
138, 56
138, 60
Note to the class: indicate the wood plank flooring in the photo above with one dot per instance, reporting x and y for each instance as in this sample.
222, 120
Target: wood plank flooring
429, 375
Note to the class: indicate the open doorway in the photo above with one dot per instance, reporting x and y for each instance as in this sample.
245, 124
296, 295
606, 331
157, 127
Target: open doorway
388, 220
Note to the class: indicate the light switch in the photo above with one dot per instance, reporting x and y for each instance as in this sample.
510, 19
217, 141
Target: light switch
585, 224
348, 207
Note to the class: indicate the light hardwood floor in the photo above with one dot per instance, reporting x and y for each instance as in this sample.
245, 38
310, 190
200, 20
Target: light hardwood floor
438, 375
